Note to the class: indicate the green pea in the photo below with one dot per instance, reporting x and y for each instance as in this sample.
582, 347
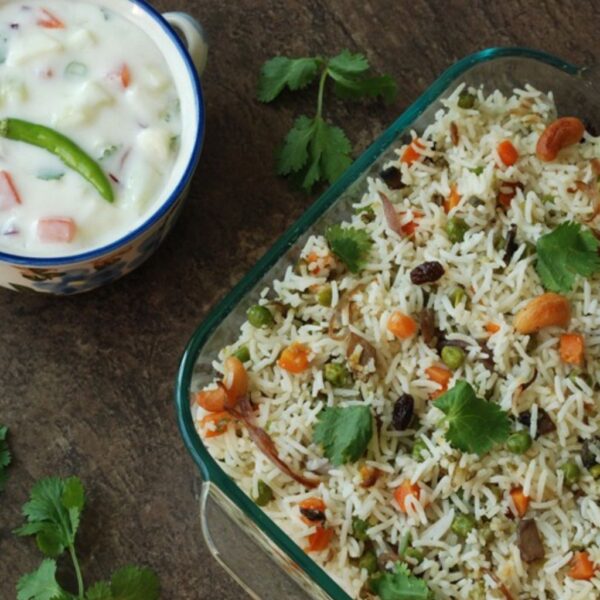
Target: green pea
462, 525
419, 450
359, 529
264, 494
260, 316
595, 471
519, 442
325, 296
242, 354
466, 100
457, 296
414, 553
572, 472
337, 374
368, 561
456, 229
453, 356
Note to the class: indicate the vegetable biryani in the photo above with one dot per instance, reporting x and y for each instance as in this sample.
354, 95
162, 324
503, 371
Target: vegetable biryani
415, 402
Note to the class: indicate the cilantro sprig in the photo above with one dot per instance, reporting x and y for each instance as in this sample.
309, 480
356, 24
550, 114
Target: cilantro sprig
400, 585
53, 514
5, 456
474, 425
564, 253
314, 150
350, 245
344, 433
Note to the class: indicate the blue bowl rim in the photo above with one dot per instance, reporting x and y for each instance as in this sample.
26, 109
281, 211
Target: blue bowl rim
31, 261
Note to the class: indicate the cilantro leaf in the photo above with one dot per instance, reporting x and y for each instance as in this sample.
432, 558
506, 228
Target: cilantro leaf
134, 583
400, 585
370, 87
475, 425
5, 456
350, 64
99, 591
350, 245
567, 251
344, 433
294, 154
41, 584
279, 72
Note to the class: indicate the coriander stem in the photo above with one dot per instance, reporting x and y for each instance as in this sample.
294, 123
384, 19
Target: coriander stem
321, 92
80, 587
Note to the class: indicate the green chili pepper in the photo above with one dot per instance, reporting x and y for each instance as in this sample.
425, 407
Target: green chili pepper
56, 143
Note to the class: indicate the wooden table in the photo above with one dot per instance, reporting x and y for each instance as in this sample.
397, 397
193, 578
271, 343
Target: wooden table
86, 382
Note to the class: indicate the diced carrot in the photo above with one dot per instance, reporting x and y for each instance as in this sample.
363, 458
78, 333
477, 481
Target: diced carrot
492, 328
294, 358
508, 153
59, 231
125, 75
9, 196
507, 192
312, 504
215, 424
214, 400
572, 347
520, 500
412, 154
409, 228
369, 476
438, 374
320, 539
453, 199
50, 21
405, 490
581, 566
401, 325
235, 379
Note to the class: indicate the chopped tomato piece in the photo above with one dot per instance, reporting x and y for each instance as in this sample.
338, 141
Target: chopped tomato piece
520, 500
61, 231
581, 566
9, 196
215, 424
50, 21
572, 347
320, 539
453, 200
405, 490
412, 154
508, 153
294, 358
401, 325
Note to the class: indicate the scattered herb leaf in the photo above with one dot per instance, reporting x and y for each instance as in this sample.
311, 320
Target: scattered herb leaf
41, 584
400, 585
350, 245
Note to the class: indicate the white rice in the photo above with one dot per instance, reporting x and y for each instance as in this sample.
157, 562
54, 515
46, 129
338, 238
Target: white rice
568, 518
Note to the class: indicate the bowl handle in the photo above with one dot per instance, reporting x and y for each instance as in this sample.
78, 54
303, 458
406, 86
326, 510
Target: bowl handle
193, 35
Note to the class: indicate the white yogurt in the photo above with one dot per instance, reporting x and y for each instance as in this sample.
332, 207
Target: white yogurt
101, 81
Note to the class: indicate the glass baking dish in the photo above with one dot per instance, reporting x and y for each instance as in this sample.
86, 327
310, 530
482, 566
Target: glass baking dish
256, 552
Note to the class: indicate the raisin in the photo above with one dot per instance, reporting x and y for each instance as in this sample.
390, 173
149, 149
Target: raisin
393, 178
404, 409
544, 423
428, 272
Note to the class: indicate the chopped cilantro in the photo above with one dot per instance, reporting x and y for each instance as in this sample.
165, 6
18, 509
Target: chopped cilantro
567, 251
474, 425
344, 433
477, 170
400, 585
350, 245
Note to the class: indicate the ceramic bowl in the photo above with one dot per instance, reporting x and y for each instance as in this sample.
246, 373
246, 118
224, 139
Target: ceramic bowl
183, 44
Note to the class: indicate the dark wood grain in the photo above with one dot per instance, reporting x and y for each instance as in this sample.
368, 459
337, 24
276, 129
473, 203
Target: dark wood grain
86, 382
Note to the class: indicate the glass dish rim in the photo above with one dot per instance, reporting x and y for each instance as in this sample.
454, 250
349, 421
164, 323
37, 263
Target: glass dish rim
211, 471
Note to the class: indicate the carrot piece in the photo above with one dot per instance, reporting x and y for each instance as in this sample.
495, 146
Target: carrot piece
311, 504
409, 228
547, 310
294, 358
59, 231
214, 400
440, 375
508, 190
215, 424
581, 566
9, 196
320, 539
453, 199
401, 325
492, 328
50, 21
235, 379
572, 347
412, 154
508, 153
405, 490
520, 500
125, 75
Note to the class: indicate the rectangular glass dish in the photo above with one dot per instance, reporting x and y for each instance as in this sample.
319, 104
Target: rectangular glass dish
239, 534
